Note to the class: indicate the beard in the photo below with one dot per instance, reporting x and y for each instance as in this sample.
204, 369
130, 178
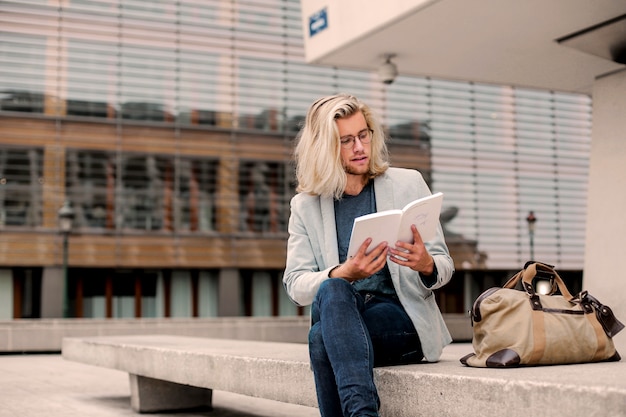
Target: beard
351, 170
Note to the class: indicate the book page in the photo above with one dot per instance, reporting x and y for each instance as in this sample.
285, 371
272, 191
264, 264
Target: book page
381, 227
395, 225
424, 214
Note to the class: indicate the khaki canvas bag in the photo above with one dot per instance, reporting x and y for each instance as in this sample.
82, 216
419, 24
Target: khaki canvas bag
514, 327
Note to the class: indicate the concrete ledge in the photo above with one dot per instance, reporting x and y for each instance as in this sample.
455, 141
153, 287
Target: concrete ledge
280, 371
46, 335
451, 389
270, 370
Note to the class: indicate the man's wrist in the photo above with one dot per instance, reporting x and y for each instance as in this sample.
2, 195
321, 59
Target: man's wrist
430, 279
433, 268
330, 273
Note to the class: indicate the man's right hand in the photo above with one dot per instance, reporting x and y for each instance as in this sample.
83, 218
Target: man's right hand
363, 264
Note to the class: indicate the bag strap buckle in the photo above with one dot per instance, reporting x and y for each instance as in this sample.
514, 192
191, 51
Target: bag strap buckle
604, 314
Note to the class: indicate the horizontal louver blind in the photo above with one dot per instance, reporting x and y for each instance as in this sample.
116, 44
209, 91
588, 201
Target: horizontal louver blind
497, 152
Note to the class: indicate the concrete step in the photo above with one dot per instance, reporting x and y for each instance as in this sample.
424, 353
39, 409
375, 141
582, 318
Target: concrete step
280, 371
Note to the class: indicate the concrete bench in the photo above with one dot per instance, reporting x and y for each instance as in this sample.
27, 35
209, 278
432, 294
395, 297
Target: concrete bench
169, 373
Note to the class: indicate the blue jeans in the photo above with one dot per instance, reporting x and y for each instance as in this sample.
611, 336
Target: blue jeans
351, 333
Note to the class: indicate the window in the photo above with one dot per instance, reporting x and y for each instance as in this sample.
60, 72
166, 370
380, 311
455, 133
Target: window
21, 181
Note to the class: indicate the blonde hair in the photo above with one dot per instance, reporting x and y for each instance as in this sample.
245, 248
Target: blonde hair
319, 170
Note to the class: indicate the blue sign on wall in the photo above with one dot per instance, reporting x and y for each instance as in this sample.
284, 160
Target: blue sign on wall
318, 22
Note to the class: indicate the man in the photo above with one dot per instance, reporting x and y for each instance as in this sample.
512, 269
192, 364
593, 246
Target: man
376, 308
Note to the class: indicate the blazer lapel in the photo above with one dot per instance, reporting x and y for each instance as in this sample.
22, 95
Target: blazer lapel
331, 253
385, 201
384, 193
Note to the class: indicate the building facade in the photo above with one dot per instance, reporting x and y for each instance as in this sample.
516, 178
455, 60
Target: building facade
169, 127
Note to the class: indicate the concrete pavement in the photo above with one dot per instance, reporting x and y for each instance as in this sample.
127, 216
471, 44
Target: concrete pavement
36, 385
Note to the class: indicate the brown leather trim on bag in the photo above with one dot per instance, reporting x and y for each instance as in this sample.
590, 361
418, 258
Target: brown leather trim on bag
535, 303
607, 319
464, 359
476, 316
505, 358
561, 311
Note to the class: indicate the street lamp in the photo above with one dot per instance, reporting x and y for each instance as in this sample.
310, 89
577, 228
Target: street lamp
542, 286
531, 219
66, 217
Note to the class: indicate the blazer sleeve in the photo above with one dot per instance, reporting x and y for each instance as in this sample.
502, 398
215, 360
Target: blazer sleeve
305, 269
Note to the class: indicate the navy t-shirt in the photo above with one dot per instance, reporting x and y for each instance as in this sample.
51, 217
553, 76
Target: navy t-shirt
346, 210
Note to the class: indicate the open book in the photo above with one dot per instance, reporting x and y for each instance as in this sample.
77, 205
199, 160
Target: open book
395, 225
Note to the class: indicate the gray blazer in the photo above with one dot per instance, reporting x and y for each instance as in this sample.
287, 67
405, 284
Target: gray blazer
312, 251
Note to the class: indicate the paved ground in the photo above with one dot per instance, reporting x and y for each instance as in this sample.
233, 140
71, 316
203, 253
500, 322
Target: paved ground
49, 386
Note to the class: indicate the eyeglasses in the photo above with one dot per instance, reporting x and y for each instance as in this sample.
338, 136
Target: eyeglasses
364, 136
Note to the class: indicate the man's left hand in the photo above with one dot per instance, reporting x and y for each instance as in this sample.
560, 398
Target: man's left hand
413, 255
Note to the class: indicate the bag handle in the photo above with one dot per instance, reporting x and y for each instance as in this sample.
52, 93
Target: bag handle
529, 272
